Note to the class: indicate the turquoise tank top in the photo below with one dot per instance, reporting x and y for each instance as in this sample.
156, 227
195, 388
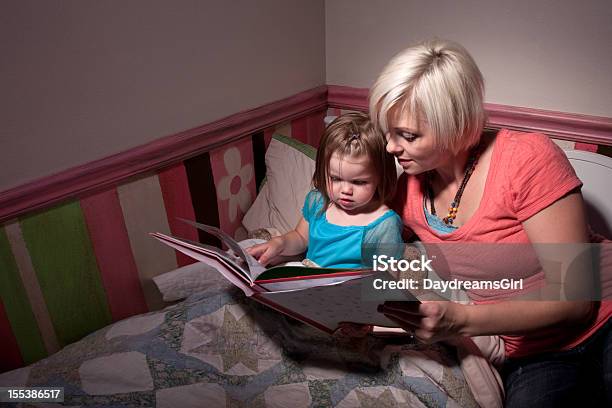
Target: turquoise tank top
339, 246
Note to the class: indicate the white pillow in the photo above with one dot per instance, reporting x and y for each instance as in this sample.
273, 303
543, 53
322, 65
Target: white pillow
289, 168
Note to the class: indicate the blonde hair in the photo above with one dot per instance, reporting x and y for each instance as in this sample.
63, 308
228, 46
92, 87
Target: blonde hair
439, 81
354, 134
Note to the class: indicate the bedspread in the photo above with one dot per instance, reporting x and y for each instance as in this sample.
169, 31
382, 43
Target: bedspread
220, 349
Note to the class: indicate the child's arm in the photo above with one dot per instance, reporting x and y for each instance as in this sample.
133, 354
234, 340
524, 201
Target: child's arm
292, 243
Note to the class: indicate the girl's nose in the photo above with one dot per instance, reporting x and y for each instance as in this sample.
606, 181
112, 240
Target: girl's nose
347, 188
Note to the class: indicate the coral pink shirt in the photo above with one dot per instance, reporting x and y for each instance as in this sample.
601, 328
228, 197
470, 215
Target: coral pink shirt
528, 172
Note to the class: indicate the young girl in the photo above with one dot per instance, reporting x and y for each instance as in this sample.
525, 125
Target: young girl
345, 217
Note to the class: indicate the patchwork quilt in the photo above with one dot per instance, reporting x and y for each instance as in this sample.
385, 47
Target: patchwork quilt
220, 349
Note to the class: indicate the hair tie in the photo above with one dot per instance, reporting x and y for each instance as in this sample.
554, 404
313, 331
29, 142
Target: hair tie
354, 136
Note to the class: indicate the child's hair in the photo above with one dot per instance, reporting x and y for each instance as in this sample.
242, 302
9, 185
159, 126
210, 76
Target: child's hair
352, 135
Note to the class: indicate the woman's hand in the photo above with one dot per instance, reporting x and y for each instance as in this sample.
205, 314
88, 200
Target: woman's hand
429, 321
267, 251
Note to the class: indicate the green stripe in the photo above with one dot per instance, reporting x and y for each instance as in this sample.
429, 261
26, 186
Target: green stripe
17, 305
67, 271
307, 149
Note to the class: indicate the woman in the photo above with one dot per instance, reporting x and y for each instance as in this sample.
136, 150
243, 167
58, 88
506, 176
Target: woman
503, 188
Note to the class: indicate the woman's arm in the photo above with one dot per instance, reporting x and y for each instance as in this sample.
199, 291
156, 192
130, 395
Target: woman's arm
433, 321
563, 222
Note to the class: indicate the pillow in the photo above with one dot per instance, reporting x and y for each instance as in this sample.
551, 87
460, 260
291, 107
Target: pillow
290, 165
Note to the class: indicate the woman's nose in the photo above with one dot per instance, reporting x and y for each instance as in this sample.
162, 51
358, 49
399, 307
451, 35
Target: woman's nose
392, 146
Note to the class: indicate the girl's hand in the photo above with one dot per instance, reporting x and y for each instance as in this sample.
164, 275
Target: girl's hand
265, 252
429, 321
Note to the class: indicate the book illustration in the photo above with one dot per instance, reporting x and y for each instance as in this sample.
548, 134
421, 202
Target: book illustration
253, 267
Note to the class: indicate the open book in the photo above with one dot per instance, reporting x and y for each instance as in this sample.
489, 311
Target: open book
321, 297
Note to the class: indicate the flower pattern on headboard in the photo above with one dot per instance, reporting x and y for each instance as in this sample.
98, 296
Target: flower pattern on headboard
234, 178
234, 186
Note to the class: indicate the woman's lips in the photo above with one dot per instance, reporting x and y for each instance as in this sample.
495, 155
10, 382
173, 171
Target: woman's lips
404, 162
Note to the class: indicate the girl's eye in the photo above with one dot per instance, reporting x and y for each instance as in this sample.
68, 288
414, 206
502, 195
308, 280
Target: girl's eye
332, 178
359, 182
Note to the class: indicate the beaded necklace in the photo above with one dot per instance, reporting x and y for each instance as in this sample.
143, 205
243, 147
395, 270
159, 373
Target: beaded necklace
454, 206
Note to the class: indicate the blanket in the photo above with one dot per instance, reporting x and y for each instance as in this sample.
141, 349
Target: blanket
220, 349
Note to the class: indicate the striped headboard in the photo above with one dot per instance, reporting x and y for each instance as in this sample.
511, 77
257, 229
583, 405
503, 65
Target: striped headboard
87, 260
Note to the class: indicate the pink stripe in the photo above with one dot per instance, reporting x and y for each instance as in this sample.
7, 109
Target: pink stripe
587, 147
346, 97
177, 200
567, 126
299, 129
316, 127
108, 171
10, 356
268, 136
111, 245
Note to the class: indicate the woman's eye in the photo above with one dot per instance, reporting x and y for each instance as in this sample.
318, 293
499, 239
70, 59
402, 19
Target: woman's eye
407, 136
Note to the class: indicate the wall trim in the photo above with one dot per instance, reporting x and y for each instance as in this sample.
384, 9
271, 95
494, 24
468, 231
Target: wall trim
560, 125
103, 173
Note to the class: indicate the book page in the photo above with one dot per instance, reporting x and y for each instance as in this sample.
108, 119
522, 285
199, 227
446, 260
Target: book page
279, 285
330, 305
254, 268
210, 259
234, 262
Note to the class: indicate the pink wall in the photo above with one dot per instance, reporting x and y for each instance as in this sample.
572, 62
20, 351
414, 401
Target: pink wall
84, 79
553, 55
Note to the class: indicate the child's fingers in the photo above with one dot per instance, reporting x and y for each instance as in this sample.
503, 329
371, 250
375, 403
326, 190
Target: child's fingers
266, 256
253, 248
271, 252
257, 250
